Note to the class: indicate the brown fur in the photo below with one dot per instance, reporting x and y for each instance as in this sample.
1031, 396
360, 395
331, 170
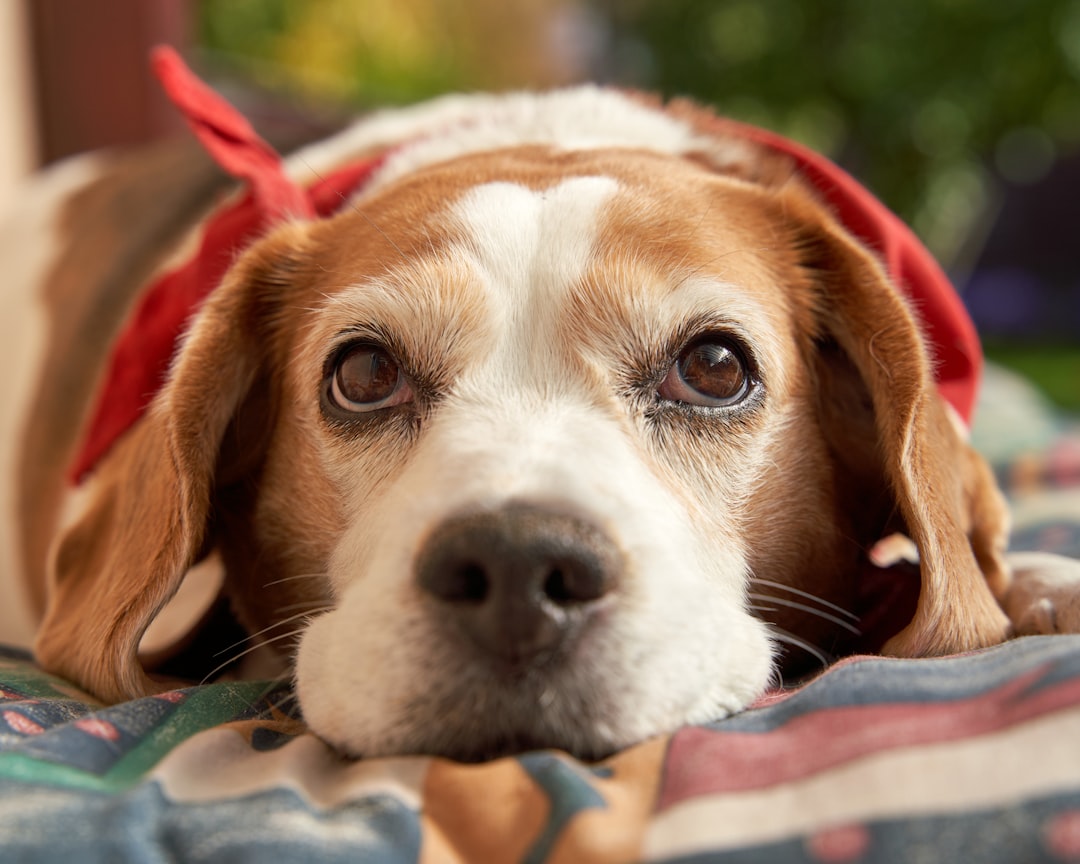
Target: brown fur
228, 456
115, 232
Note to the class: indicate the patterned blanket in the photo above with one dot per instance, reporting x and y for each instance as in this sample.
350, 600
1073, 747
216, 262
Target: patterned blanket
972, 758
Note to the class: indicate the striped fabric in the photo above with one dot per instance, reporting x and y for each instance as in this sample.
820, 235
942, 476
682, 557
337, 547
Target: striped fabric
972, 758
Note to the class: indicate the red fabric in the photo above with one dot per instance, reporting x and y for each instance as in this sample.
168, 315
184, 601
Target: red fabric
950, 331
141, 355
230, 139
702, 761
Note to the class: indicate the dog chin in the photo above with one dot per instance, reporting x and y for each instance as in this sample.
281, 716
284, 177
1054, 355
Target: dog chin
475, 709
527, 712
514, 714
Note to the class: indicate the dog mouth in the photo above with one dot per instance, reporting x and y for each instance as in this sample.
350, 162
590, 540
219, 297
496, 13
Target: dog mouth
495, 714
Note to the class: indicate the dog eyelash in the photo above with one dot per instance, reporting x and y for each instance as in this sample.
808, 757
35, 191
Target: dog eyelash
427, 381
653, 366
403, 421
699, 420
401, 418
365, 335
706, 327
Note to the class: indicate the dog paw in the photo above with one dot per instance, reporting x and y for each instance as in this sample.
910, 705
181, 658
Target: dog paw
1044, 596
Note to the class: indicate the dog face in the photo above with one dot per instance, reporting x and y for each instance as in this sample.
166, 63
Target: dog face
522, 439
541, 414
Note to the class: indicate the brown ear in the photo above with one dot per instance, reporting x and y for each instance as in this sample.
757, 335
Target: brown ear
943, 493
144, 522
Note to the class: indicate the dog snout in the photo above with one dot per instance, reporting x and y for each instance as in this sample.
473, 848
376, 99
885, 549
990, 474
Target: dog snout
520, 582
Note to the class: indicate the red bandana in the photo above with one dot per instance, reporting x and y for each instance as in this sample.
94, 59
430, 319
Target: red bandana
140, 358
955, 347
145, 346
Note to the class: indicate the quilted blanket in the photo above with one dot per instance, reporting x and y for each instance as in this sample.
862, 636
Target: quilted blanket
971, 758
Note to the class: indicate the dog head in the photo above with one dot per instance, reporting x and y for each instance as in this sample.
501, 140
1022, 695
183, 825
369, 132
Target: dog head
508, 453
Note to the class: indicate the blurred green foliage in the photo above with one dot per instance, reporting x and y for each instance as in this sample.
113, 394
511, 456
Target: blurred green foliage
331, 51
931, 103
936, 105
1055, 368
371, 52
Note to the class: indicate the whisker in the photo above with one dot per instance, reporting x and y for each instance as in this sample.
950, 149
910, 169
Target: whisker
312, 606
805, 594
274, 626
272, 684
247, 651
288, 704
293, 578
792, 604
790, 639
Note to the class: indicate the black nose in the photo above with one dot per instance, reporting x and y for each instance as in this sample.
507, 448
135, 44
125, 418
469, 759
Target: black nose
520, 581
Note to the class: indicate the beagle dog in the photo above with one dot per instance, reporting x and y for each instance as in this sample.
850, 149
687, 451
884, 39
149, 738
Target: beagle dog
499, 422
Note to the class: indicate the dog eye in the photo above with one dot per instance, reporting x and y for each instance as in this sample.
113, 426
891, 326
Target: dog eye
709, 372
367, 378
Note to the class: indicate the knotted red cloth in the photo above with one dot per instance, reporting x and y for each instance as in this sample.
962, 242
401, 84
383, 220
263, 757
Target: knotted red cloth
140, 358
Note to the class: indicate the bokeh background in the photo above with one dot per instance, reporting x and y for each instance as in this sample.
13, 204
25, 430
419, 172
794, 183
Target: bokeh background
962, 115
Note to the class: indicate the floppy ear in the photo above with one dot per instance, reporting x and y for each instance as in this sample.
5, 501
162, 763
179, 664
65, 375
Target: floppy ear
890, 421
143, 517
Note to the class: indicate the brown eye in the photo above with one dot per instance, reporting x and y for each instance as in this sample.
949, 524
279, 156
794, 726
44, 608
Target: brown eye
367, 378
710, 373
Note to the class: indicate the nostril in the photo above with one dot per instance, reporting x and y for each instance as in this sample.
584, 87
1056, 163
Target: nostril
555, 587
456, 581
577, 583
469, 583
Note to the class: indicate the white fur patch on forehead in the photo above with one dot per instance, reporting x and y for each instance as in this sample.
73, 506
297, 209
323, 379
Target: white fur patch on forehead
578, 118
537, 241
